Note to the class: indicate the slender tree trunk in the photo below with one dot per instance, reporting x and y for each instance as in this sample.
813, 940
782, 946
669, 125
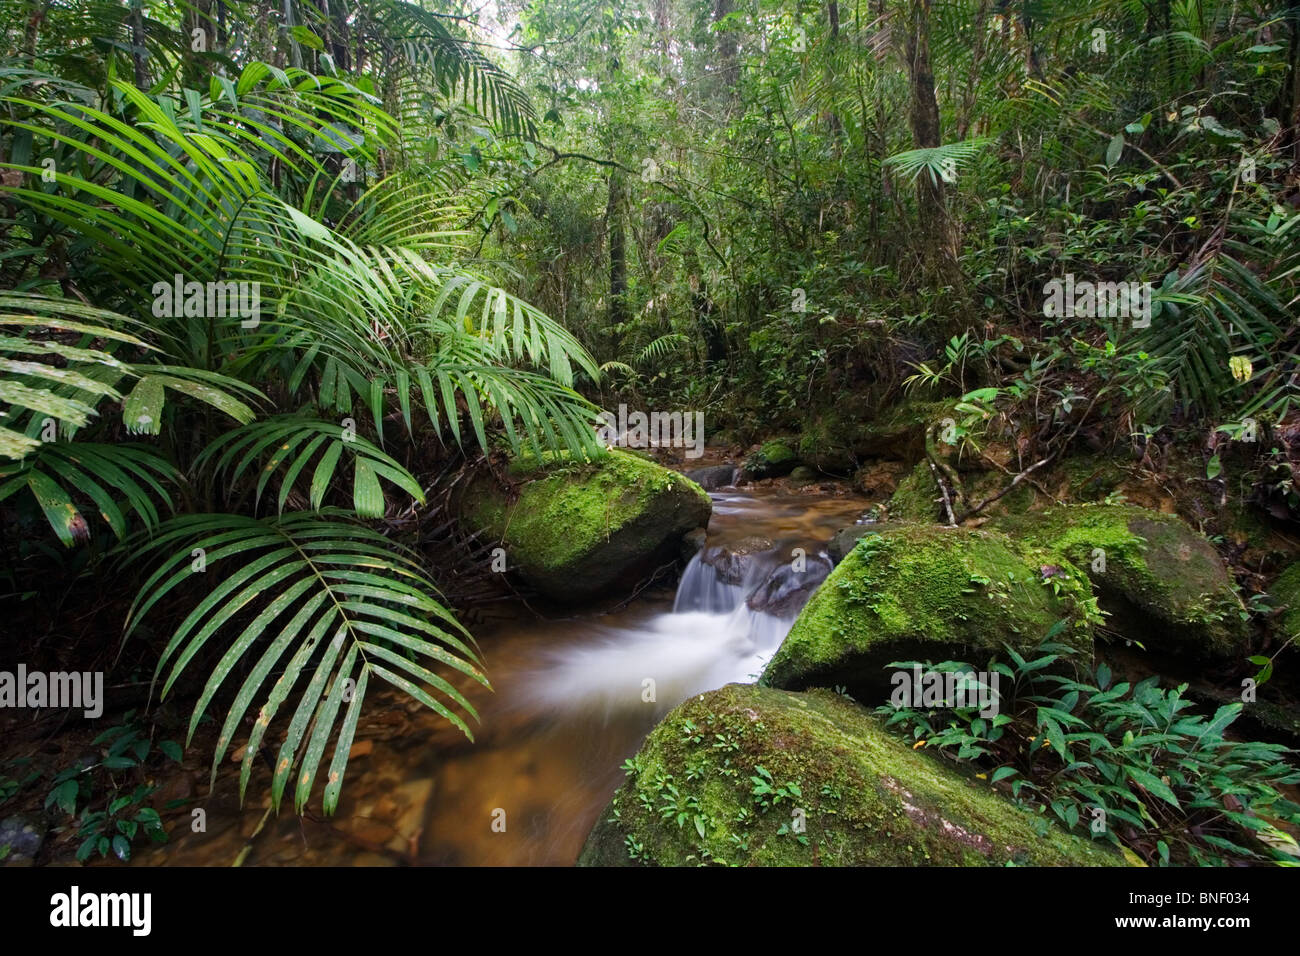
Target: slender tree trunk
972, 77
833, 123
617, 313
729, 68
1288, 100
137, 45
33, 32
939, 234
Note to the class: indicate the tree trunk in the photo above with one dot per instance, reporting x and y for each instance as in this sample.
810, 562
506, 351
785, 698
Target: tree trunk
728, 68
137, 45
617, 313
833, 124
1288, 100
939, 234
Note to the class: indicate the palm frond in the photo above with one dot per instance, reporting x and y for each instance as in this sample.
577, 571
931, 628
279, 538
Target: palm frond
940, 162
35, 332
453, 64
350, 604
59, 474
286, 445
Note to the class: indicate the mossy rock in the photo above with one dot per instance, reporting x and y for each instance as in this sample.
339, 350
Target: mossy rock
773, 459
926, 592
980, 486
866, 798
1285, 594
1090, 477
916, 498
844, 540
578, 530
1162, 583
836, 441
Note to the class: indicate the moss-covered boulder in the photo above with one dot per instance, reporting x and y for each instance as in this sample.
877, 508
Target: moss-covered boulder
752, 776
927, 592
918, 592
844, 540
803, 475
578, 530
1162, 583
917, 496
772, 459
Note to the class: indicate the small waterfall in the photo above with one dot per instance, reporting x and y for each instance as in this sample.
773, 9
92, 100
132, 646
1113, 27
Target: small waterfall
704, 588
712, 637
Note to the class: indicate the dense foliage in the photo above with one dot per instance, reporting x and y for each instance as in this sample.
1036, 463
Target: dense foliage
273, 270
1128, 762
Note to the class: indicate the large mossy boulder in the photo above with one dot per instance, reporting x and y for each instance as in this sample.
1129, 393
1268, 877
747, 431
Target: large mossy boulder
579, 530
844, 540
916, 498
1161, 582
753, 776
926, 592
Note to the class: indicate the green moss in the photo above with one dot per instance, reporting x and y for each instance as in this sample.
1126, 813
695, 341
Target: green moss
1091, 477
924, 591
1163, 583
576, 527
821, 442
776, 452
719, 781
915, 497
1285, 593
982, 485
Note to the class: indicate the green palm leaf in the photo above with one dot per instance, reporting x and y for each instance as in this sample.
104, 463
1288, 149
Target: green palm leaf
287, 445
58, 474
349, 601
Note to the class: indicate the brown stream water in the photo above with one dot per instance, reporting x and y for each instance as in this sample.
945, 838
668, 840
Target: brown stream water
567, 710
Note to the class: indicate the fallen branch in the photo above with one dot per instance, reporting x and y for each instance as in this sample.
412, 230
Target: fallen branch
943, 489
1014, 481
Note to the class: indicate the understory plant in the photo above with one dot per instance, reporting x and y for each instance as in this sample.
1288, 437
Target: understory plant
238, 334
1130, 763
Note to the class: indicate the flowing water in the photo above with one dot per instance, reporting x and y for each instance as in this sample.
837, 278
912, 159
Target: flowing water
573, 699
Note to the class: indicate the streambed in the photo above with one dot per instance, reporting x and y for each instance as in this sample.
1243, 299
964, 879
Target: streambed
572, 701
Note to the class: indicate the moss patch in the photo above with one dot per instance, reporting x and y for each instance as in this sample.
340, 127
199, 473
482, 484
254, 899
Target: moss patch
912, 592
1090, 477
1285, 593
982, 485
772, 460
916, 497
1163, 584
752, 776
581, 528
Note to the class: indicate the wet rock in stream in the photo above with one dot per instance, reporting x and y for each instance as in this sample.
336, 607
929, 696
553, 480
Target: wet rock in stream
735, 564
786, 590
